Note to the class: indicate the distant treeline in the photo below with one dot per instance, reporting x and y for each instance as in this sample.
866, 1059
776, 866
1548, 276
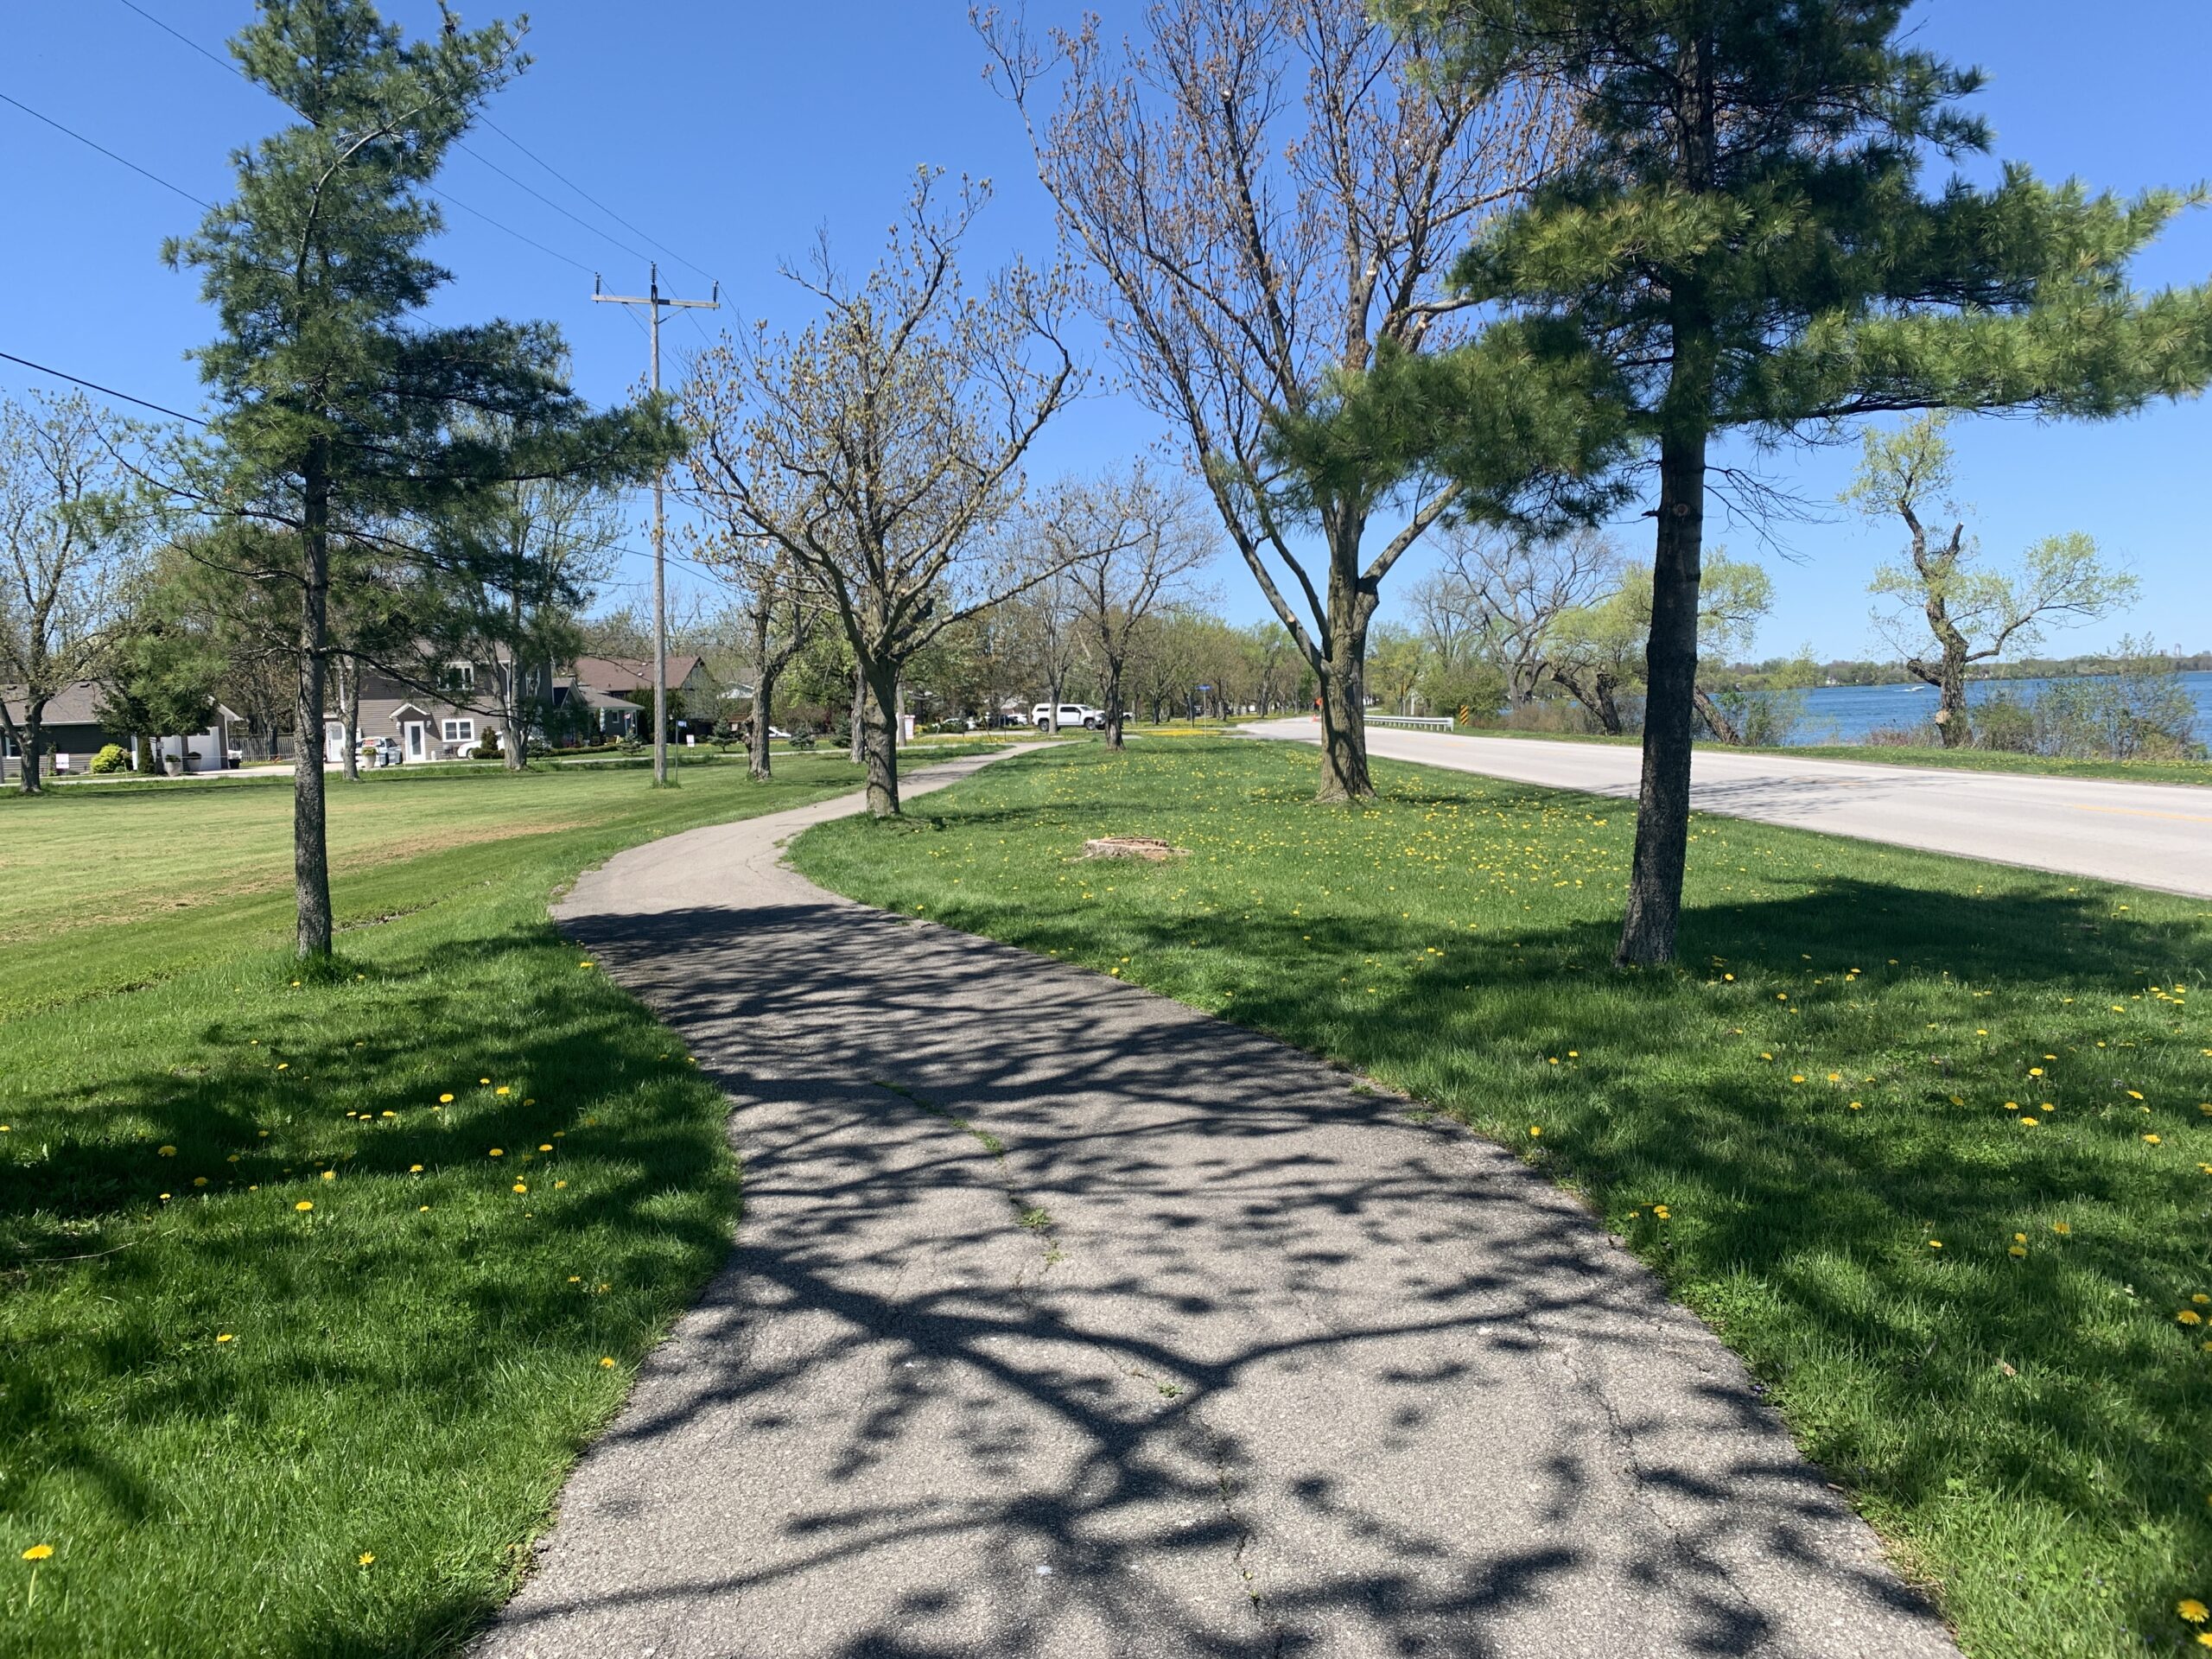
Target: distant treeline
1790, 670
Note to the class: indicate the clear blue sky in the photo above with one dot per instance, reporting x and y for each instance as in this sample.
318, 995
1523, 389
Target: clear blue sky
732, 131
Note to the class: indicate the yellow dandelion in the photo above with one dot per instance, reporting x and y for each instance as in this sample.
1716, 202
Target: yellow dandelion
521, 1186
329, 1174
2189, 1316
483, 1080
557, 1185
226, 1336
165, 1152
501, 1090
1934, 1244
1536, 1129
367, 1556
2192, 1609
304, 1205
2153, 1140
414, 1169
445, 1100
497, 1151
38, 1552
1663, 1212
545, 1146
2017, 1250
608, 1362
2062, 1229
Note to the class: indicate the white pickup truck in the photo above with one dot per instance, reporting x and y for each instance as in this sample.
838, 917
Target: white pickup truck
1073, 715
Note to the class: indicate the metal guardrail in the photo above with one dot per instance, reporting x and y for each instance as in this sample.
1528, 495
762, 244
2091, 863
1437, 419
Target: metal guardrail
1424, 723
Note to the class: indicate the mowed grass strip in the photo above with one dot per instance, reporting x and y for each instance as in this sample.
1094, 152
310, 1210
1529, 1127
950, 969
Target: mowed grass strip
1927, 1140
313, 1285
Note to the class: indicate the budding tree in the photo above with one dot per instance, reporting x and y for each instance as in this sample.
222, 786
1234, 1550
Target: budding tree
68, 557
880, 447
1967, 613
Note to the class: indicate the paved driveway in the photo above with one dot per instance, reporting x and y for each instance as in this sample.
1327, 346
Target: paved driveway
2149, 835
1066, 1320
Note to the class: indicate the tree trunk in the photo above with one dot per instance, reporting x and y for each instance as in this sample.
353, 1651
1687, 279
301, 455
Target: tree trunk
310, 839
1951, 693
1717, 717
764, 691
764, 706
349, 715
859, 703
1662, 814
1114, 716
1342, 675
29, 740
145, 756
880, 733
518, 750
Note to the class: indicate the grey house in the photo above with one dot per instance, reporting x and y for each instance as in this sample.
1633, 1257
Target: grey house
74, 733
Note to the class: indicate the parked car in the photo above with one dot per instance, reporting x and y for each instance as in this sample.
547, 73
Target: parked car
1077, 715
381, 752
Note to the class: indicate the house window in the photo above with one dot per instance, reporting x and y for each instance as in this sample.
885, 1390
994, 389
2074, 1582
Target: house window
460, 677
461, 731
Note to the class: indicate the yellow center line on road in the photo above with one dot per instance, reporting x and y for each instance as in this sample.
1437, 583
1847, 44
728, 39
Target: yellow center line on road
2141, 812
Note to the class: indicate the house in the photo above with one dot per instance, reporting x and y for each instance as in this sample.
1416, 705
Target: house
440, 725
73, 733
694, 698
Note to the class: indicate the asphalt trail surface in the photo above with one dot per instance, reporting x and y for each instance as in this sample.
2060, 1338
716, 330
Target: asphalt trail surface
1067, 1321
2146, 835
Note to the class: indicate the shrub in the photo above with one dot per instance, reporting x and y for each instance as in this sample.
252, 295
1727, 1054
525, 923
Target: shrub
110, 759
487, 746
2005, 722
628, 745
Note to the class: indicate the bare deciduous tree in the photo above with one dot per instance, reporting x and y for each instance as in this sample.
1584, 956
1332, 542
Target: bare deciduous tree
68, 555
881, 447
1512, 591
1269, 192
1145, 543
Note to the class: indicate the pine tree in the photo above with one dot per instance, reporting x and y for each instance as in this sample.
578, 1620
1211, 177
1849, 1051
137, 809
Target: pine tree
340, 409
1744, 245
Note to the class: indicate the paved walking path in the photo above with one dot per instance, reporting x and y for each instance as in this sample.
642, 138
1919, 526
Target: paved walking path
2147, 835
1066, 1320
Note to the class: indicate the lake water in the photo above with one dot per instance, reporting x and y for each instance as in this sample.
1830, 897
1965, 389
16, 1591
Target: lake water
1844, 714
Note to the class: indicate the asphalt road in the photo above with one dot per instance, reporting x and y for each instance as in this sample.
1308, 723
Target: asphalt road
2147, 835
1064, 1320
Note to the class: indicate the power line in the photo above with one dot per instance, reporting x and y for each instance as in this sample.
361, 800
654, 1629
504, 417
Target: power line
235, 69
442, 195
614, 241
124, 159
594, 200
105, 392
550, 253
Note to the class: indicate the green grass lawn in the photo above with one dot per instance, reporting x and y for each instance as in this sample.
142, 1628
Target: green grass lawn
292, 1361
1927, 1142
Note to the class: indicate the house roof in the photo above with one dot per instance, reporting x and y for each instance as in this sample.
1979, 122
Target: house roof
627, 673
595, 698
77, 705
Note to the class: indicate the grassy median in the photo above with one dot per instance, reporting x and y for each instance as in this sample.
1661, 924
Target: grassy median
312, 1285
1927, 1142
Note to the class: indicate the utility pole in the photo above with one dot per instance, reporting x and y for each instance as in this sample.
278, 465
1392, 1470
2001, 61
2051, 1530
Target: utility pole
654, 302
